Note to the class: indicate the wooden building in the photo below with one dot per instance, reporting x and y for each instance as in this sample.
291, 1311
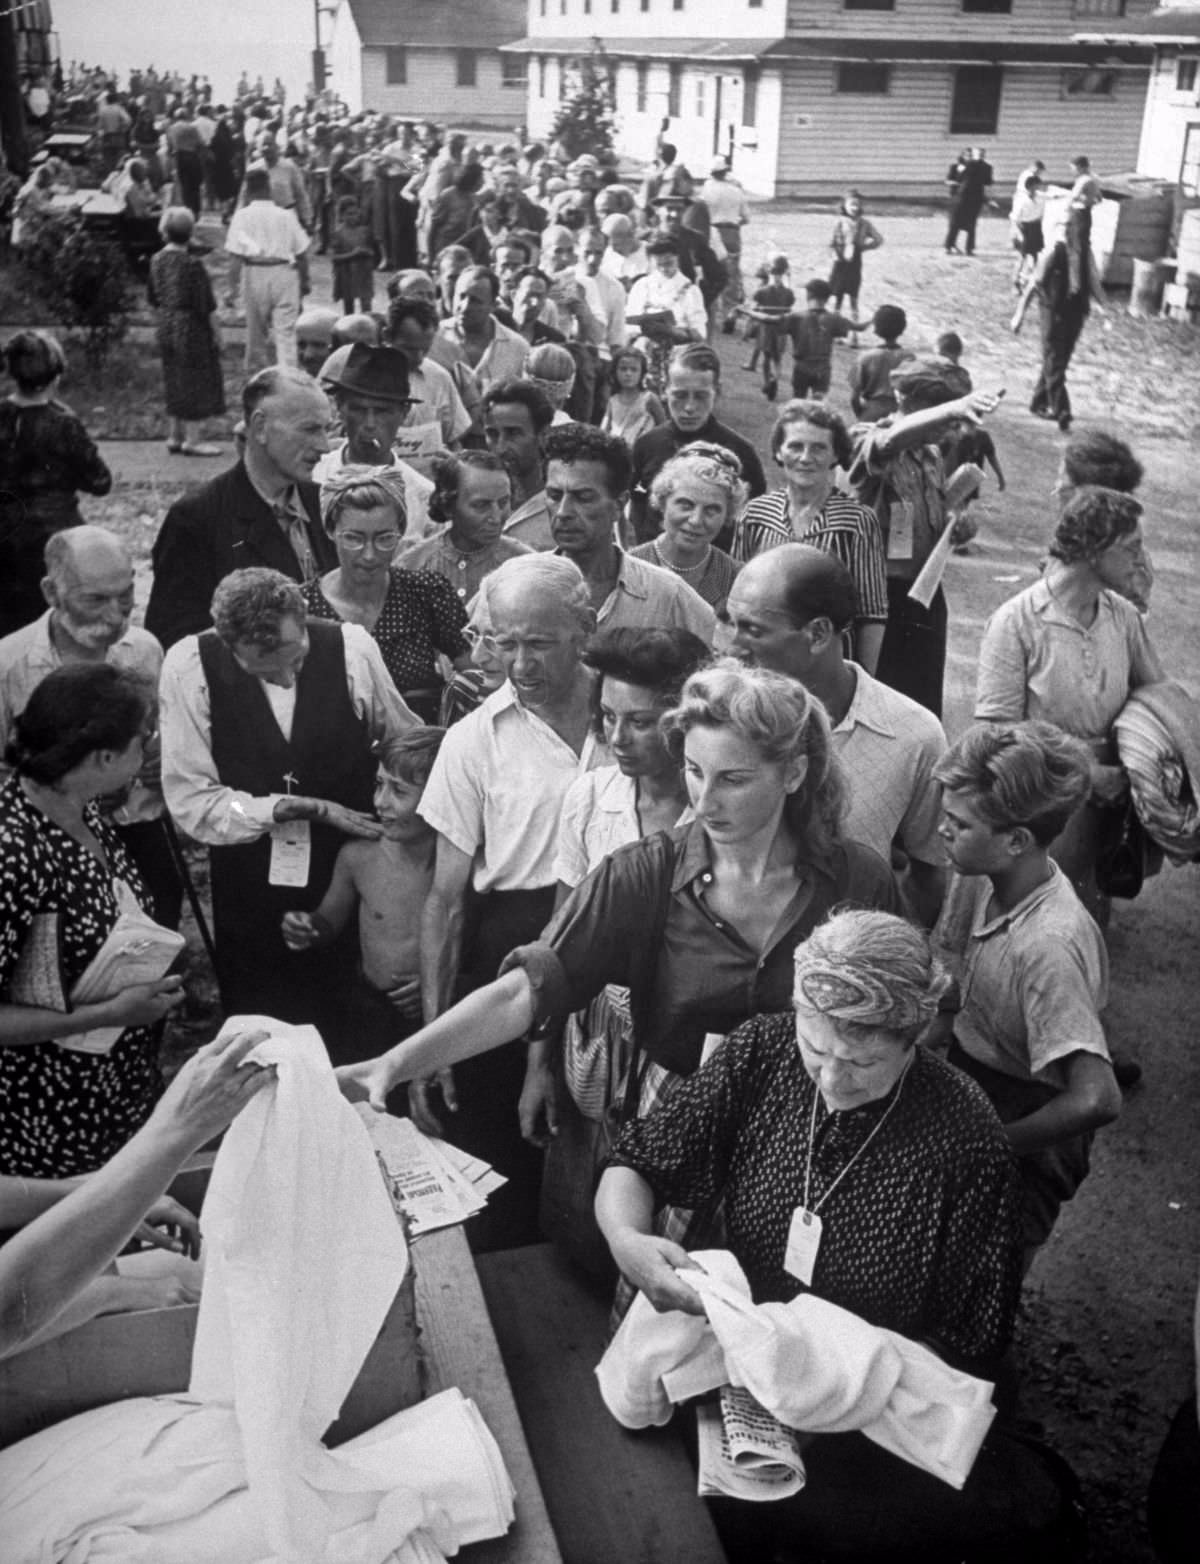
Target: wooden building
430, 60
1170, 141
809, 96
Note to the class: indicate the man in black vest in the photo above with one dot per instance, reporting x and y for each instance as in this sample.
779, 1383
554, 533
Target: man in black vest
268, 722
264, 511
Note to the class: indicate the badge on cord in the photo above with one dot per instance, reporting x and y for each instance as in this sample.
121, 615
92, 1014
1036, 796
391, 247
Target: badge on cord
804, 1239
291, 853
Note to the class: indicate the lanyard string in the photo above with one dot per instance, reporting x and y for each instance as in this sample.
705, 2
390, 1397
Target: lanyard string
812, 1127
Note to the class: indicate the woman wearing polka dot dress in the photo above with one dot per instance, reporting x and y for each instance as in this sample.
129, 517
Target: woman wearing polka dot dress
850, 1163
64, 877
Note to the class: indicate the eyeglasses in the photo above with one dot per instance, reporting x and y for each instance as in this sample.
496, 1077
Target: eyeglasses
381, 542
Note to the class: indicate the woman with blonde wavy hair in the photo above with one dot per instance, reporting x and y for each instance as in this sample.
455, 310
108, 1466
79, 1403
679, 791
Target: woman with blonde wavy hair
699, 923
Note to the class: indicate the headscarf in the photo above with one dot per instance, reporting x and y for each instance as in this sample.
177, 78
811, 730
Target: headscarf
854, 989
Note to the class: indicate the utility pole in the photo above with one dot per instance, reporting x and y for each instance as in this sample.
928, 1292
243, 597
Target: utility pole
12, 105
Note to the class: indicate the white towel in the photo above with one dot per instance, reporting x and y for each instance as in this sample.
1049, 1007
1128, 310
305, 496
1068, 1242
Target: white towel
305, 1255
813, 1365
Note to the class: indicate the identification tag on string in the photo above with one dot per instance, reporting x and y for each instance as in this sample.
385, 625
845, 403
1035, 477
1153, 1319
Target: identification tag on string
804, 1239
291, 853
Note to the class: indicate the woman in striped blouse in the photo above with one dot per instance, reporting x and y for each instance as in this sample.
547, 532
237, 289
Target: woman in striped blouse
809, 441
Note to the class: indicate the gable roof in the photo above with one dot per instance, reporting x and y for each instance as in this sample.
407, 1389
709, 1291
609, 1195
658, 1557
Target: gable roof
468, 24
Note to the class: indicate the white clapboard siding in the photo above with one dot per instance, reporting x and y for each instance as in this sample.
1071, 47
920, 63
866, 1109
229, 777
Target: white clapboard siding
1168, 115
432, 89
1045, 20
901, 141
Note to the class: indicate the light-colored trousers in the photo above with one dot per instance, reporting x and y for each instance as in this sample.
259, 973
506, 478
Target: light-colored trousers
271, 298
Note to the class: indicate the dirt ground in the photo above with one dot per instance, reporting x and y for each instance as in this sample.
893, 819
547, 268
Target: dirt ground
1105, 1326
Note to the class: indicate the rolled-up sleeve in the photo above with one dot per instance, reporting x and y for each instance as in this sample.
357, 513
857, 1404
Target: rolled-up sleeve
1001, 687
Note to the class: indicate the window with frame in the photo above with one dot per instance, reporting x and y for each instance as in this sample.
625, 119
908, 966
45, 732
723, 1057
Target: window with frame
466, 67
541, 76
750, 97
674, 91
1187, 73
975, 106
987, 7
869, 5
701, 96
512, 70
641, 94
1092, 81
396, 65
863, 77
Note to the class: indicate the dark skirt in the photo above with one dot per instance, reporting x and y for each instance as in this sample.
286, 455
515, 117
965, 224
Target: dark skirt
191, 363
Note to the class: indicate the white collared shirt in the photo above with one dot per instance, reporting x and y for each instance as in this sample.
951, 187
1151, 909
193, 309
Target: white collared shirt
198, 800
599, 814
888, 746
496, 792
646, 597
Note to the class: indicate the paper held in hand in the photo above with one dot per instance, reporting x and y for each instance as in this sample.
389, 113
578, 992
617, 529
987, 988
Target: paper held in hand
745, 1453
963, 484
434, 1183
137, 950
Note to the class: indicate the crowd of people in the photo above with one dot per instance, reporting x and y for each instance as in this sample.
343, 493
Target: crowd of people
558, 767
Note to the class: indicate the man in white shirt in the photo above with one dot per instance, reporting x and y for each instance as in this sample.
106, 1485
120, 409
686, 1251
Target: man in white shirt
730, 212
788, 610
268, 723
265, 243
494, 798
474, 338
372, 396
437, 420
89, 587
587, 487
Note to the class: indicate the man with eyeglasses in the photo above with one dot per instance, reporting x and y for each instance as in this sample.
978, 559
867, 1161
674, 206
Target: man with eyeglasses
372, 394
263, 511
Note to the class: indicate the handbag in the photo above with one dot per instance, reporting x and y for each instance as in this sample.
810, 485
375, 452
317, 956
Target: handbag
1122, 848
596, 1049
577, 1154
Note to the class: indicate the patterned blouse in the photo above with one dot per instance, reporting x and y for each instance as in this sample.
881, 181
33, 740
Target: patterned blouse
63, 1112
843, 528
920, 1235
421, 616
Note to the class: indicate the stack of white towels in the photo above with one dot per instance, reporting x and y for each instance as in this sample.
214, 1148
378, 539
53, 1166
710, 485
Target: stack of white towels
304, 1259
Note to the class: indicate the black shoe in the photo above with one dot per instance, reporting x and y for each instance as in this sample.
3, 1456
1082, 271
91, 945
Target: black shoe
770, 388
1127, 1071
1064, 423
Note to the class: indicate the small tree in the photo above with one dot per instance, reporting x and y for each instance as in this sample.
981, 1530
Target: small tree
584, 122
82, 279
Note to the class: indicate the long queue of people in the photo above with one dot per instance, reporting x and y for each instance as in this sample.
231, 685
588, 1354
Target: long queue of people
559, 730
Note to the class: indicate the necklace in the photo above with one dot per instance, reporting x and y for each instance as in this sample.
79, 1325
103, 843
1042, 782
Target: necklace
812, 1128
681, 570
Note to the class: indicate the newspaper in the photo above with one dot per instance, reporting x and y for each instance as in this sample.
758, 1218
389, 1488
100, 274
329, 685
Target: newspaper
745, 1453
432, 1182
962, 485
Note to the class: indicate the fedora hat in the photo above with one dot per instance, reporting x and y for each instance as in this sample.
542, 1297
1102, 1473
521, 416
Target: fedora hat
381, 373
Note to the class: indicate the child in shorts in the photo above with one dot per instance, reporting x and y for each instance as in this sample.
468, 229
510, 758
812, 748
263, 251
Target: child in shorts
813, 332
769, 307
871, 394
1030, 962
387, 880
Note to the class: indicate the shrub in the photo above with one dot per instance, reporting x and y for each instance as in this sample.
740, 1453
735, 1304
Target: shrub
82, 279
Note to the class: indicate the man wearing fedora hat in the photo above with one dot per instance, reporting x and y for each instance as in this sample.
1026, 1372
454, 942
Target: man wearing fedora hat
697, 259
372, 394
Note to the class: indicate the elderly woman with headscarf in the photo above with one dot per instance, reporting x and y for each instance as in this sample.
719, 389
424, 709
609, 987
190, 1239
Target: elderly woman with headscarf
413, 614
897, 472
1071, 649
852, 1165
697, 495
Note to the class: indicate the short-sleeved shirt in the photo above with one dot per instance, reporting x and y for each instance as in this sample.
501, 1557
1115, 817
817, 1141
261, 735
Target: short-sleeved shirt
421, 616
530, 523
919, 1236
502, 359
843, 528
646, 597
1038, 661
263, 231
1032, 980
888, 747
599, 814
464, 571
813, 334
706, 978
496, 792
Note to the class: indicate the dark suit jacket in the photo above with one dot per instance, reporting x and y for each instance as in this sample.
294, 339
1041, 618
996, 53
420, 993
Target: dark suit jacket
223, 526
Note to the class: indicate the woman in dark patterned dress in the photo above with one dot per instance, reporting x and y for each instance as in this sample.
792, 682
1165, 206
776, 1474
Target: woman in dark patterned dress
413, 614
46, 457
182, 293
64, 879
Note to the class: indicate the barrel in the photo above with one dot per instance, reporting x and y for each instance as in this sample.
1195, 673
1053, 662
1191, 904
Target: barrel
1145, 300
